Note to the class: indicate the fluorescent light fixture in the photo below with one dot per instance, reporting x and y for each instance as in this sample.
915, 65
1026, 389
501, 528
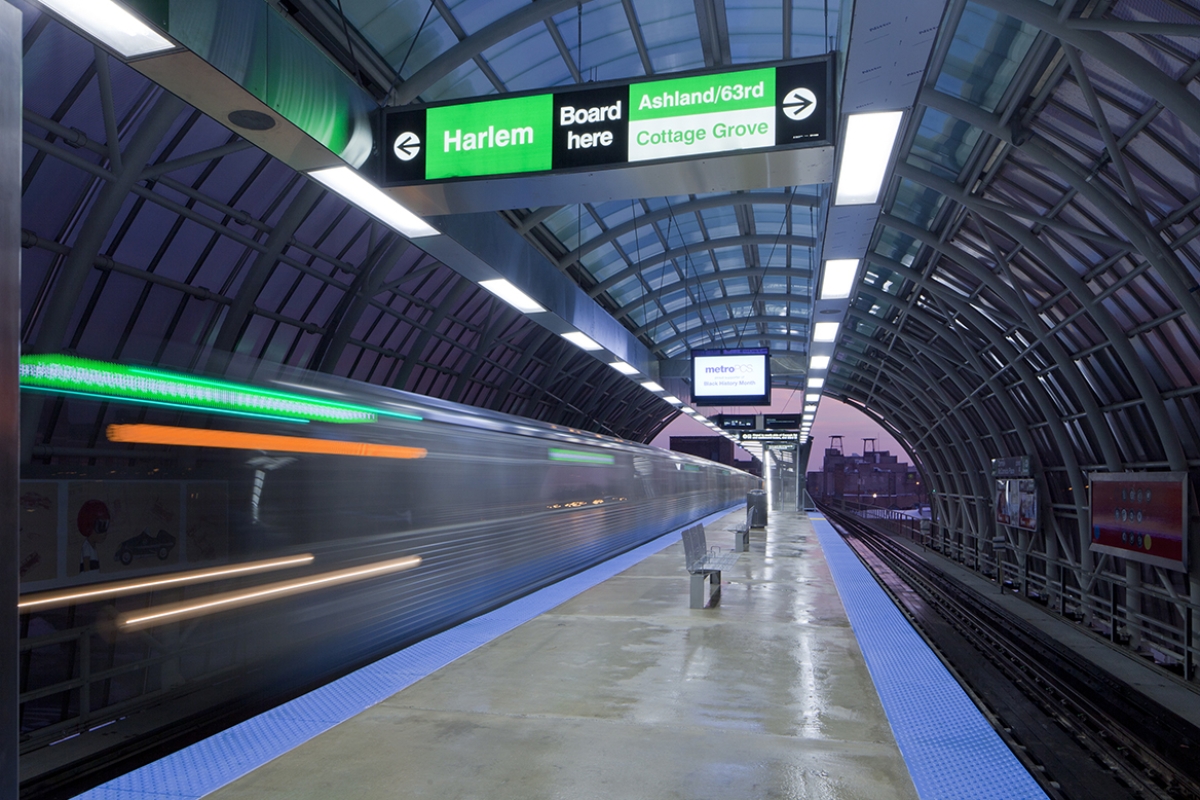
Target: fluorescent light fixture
825, 331
706, 422
582, 341
819, 362
673, 400
513, 296
652, 386
816, 383
866, 151
812, 398
113, 25
687, 410
838, 278
364, 194
810, 408
623, 368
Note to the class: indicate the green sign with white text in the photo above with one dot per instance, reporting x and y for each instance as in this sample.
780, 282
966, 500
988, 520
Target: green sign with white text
495, 137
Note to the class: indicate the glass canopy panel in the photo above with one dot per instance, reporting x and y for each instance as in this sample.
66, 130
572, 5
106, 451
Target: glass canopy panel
528, 60
988, 47
755, 30
897, 246
391, 27
943, 144
466, 80
916, 203
472, 15
609, 51
670, 34
814, 27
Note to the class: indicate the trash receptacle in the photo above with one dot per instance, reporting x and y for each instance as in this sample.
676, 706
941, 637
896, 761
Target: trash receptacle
756, 508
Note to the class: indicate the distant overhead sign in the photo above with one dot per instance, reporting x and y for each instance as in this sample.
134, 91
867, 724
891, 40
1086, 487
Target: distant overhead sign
610, 126
766, 437
781, 422
737, 422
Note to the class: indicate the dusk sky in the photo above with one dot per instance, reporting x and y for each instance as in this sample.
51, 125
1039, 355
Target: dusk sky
833, 418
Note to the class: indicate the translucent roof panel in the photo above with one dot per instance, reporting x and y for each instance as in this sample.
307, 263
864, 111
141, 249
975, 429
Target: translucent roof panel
988, 47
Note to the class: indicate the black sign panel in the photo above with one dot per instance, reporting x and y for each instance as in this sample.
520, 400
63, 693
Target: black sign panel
405, 141
1016, 467
737, 422
781, 422
801, 103
591, 128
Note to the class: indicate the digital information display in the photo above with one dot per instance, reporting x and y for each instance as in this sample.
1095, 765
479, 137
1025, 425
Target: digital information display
731, 377
1141, 516
611, 126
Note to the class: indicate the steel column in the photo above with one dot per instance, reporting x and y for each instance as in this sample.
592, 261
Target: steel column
10, 350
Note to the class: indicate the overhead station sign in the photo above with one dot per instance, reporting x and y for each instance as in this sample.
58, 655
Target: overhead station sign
610, 126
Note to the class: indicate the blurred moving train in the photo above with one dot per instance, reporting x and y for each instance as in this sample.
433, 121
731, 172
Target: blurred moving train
195, 550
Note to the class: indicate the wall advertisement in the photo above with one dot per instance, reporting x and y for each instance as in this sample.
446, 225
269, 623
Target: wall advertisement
1141, 516
1017, 503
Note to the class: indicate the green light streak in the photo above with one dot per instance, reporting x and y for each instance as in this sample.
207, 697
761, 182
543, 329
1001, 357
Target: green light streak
98, 379
108, 398
580, 457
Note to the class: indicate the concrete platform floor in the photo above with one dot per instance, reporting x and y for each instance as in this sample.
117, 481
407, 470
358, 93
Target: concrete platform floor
625, 692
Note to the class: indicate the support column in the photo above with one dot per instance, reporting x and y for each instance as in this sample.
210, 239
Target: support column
10, 351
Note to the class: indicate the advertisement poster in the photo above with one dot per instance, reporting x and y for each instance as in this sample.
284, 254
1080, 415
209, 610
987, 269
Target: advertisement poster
113, 526
1141, 516
1027, 504
38, 535
1017, 503
1007, 503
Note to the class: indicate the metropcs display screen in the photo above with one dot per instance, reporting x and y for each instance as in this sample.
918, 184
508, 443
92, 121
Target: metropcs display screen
731, 377
610, 126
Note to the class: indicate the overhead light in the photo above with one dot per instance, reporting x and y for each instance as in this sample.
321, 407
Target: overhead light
810, 408
623, 368
673, 400
652, 386
825, 331
816, 383
812, 398
367, 196
582, 341
687, 410
705, 421
513, 296
838, 278
819, 362
113, 25
865, 154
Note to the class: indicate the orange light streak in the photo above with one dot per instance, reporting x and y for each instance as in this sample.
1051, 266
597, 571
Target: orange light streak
174, 612
237, 440
102, 591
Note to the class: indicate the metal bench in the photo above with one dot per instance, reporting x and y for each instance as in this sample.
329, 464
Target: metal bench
702, 563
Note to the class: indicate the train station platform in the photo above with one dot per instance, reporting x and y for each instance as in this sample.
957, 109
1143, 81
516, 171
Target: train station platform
801, 681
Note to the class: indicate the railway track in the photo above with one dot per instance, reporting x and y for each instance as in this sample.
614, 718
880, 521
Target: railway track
1081, 732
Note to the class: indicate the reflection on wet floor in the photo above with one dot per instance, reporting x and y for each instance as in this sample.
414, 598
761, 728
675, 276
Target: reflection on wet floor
625, 692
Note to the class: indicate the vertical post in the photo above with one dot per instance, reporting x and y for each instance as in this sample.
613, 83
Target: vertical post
10, 351
1189, 671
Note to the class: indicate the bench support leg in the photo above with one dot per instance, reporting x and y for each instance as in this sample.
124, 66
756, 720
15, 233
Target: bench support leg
698, 598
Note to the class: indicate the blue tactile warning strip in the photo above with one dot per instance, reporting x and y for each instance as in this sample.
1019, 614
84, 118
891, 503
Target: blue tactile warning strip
952, 751
221, 759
